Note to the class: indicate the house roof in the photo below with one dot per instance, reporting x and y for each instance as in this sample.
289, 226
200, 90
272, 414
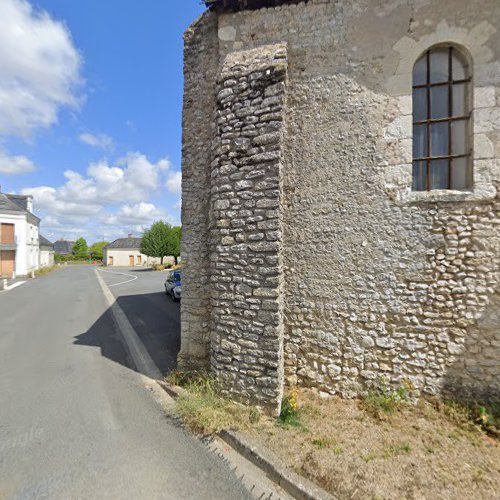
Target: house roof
44, 242
6, 203
246, 4
128, 243
17, 203
64, 247
20, 200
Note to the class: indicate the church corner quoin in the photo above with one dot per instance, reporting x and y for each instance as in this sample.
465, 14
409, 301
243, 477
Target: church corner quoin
309, 256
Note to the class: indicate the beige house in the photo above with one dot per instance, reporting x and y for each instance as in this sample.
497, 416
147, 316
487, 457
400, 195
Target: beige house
341, 196
126, 252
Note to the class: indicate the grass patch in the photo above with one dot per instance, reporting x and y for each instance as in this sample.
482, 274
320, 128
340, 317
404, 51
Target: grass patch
322, 442
465, 413
397, 449
45, 270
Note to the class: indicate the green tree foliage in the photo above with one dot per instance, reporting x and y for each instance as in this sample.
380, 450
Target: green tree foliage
161, 240
96, 249
176, 242
80, 249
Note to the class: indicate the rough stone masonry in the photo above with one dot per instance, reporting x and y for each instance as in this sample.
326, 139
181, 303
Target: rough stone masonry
308, 259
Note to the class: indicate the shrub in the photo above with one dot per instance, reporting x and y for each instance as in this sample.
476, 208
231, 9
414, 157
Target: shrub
158, 267
385, 400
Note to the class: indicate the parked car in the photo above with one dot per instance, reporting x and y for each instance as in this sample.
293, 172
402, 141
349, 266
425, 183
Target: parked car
173, 285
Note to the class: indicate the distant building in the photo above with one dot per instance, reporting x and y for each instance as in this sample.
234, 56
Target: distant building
127, 252
63, 247
19, 236
46, 252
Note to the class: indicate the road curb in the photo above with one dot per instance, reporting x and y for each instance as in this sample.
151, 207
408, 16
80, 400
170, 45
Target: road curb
297, 486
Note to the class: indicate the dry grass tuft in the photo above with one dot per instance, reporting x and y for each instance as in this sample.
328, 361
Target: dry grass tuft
204, 410
45, 270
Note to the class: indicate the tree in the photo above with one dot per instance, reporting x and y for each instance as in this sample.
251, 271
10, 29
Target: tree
80, 249
96, 249
156, 240
161, 240
176, 242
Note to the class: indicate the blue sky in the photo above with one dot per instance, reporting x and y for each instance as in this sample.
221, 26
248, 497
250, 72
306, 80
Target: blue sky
91, 98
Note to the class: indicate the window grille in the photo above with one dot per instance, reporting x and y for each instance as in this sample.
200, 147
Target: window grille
441, 116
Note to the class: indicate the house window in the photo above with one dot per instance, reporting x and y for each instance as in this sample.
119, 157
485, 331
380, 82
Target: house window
441, 115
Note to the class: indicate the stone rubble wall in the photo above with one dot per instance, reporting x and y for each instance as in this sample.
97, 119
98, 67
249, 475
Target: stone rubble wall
377, 282
198, 130
246, 233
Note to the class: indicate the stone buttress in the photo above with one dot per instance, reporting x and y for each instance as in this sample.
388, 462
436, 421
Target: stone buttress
246, 225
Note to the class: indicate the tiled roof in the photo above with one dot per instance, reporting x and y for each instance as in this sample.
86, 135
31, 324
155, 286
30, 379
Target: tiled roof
246, 4
64, 247
7, 204
20, 200
44, 242
129, 243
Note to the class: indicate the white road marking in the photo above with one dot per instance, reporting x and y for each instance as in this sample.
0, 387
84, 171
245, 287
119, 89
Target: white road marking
14, 285
140, 355
123, 274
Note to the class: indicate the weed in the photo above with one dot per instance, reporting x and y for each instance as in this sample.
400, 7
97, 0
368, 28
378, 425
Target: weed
322, 442
478, 475
338, 450
385, 400
369, 456
290, 410
45, 270
397, 449
469, 414
254, 415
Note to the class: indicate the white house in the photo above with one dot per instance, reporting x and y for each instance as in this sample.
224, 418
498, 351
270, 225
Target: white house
127, 252
46, 252
19, 236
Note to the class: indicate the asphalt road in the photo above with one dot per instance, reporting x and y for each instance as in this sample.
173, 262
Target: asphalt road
155, 316
75, 420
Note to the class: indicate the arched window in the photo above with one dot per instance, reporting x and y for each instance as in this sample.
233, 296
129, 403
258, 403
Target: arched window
441, 112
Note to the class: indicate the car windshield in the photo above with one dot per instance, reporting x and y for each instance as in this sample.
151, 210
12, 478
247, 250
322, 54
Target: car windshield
176, 276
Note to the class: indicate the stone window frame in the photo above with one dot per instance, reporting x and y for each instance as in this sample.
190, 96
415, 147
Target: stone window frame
398, 167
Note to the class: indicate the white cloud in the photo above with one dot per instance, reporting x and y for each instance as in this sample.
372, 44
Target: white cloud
39, 68
15, 165
101, 141
174, 182
108, 200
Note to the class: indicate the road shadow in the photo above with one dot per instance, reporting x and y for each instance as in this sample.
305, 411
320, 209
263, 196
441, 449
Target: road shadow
156, 320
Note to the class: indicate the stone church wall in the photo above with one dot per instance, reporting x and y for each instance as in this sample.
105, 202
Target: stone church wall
379, 282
